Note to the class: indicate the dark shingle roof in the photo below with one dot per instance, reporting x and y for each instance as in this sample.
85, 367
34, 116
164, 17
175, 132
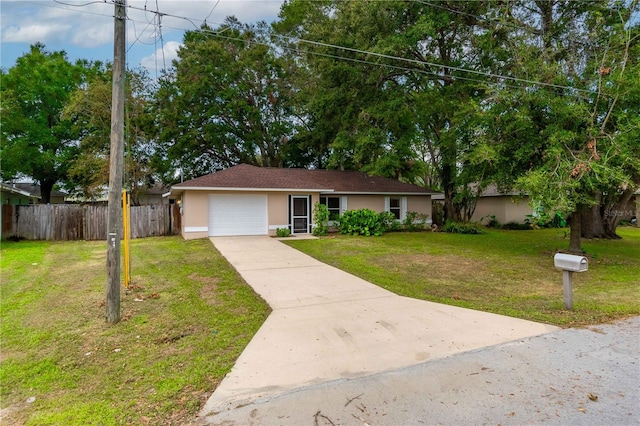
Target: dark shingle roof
245, 176
34, 189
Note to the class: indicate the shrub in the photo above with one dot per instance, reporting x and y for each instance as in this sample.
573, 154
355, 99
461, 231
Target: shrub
388, 221
544, 220
517, 226
283, 232
320, 219
415, 221
492, 222
462, 227
361, 222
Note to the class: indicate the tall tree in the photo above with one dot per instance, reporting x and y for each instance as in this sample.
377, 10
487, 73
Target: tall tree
224, 102
36, 141
571, 141
393, 98
89, 109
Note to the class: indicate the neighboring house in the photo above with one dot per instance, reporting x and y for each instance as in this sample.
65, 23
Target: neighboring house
57, 197
632, 211
145, 196
153, 195
10, 193
249, 200
505, 206
514, 206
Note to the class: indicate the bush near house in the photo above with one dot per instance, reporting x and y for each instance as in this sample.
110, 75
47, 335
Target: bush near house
415, 222
361, 222
389, 222
367, 222
283, 232
462, 227
320, 219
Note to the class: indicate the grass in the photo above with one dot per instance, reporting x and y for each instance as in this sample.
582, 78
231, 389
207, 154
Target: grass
505, 272
189, 315
185, 321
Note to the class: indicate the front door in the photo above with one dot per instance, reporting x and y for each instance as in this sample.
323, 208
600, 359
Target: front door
300, 214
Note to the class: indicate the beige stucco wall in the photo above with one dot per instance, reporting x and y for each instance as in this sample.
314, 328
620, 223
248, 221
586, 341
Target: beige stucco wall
195, 208
415, 203
505, 208
195, 211
420, 204
631, 209
517, 209
372, 202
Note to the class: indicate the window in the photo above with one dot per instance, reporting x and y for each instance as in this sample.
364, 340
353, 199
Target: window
333, 204
397, 206
394, 207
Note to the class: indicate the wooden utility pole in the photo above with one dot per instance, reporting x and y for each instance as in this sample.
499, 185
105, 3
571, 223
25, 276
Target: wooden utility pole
116, 162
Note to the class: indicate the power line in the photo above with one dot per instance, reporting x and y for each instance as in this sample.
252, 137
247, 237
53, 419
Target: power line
396, 58
80, 5
359, 51
212, 9
436, 65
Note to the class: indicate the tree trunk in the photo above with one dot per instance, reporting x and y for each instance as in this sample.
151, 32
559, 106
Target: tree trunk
614, 212
449, 208
601, 220
592, 224
46, 186
451, 212
575, 242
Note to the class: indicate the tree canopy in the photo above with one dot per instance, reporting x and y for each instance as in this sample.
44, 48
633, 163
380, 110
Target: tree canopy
225, 101
89, 109
37, 142
536, 95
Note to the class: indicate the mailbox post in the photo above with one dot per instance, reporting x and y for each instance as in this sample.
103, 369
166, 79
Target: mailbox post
569, 264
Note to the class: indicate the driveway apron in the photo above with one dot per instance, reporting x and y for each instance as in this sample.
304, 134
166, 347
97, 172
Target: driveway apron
327, 325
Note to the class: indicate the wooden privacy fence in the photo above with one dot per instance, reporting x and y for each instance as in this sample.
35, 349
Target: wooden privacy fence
79, 222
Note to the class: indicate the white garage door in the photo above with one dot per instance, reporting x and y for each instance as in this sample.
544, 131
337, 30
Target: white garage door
237, 215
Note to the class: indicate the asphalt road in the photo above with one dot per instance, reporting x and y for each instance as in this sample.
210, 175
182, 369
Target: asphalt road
567, 377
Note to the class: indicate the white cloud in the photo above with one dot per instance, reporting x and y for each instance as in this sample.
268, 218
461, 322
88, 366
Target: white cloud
161, 58
31, 33
85, 30
245, 10
93, 35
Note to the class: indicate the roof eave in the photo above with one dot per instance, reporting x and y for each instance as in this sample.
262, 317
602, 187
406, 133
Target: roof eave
20, 192
225, 188
381, 193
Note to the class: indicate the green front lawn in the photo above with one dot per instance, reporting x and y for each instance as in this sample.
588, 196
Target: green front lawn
189, 315
185, 321
505, 272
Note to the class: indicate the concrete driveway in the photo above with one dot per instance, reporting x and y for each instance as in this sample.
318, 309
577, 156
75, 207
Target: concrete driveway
328, 325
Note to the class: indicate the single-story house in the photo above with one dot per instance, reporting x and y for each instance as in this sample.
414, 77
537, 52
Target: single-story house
10, 193
57, 197
632, 211
514, 206
250, 200
153, 195
505, 206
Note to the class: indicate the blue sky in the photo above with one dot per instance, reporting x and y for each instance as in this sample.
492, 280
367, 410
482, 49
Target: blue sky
84, 29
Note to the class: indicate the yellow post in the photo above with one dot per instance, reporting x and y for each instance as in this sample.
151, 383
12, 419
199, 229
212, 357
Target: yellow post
126, 237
